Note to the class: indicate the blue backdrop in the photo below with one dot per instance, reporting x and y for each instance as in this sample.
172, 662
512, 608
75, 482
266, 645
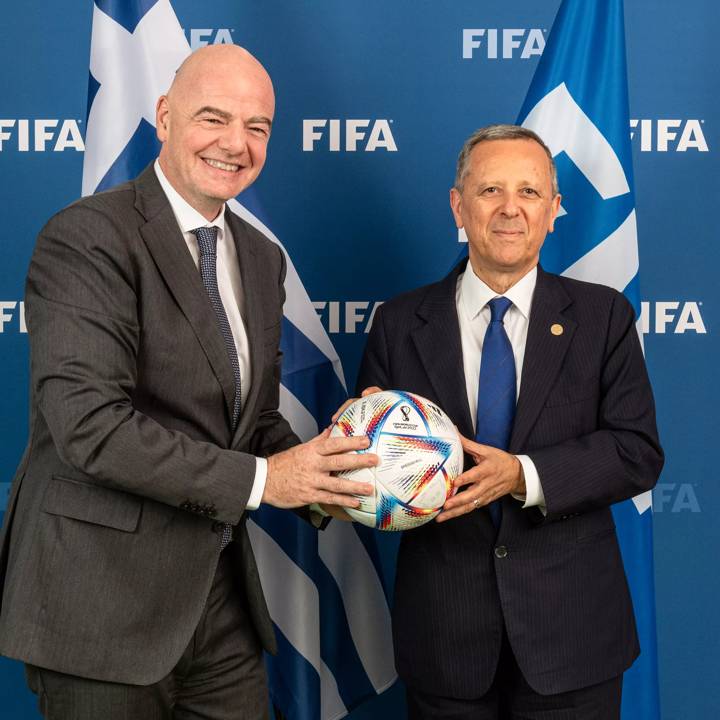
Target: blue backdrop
374, 101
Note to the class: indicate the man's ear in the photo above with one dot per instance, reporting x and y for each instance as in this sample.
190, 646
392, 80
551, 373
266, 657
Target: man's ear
162, 111
456, 206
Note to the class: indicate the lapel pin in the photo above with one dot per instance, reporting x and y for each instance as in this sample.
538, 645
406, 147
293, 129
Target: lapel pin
556, 329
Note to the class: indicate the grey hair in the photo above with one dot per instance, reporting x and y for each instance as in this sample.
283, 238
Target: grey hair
500, 132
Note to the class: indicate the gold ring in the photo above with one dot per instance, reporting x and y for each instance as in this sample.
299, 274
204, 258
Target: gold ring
476, 503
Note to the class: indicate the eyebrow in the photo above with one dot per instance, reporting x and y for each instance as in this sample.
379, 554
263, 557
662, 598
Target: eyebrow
228, 116
213, 111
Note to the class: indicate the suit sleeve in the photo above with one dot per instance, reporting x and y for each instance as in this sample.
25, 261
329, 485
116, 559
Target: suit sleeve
82, 316
622, 457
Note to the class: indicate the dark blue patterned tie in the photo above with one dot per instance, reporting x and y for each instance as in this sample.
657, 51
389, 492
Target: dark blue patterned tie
496, 389
207, 244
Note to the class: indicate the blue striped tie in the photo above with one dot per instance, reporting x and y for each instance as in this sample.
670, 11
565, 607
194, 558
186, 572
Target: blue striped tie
496, 389
207, 244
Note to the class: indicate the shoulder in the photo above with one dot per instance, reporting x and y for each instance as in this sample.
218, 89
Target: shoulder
424, 298
599, 311
589, 297
94, 215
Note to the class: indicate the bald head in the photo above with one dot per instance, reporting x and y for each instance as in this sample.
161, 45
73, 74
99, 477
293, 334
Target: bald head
216, 60
215, 124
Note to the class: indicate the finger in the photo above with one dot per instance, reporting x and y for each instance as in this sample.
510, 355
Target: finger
370, 391
342, 408
446, 515
473, 475
336, 445
471, 447
342, 495
339, 485
465, 500
348, 462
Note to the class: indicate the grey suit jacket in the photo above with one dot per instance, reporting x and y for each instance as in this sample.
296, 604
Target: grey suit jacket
554, 583
111, 537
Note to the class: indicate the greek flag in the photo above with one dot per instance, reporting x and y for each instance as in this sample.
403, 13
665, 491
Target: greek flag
578, 104
324, 590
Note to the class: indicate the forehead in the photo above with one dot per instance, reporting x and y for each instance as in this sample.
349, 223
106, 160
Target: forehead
517, 159
228, 87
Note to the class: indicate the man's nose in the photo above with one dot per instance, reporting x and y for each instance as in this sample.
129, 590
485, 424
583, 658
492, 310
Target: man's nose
233, 140
510, 205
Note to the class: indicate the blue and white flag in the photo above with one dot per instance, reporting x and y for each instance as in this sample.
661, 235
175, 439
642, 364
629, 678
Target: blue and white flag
578, 104
324, 590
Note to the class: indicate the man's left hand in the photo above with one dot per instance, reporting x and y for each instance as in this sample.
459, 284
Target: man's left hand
496, 473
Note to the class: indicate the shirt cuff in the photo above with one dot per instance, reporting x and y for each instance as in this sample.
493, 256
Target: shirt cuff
534, 496
258, 487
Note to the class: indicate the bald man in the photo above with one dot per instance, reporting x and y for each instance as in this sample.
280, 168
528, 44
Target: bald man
129, 586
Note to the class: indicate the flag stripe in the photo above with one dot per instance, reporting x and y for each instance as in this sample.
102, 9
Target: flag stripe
127, 13
308, 375
364, 599
299, 541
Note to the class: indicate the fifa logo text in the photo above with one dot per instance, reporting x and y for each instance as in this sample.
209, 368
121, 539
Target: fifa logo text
41, 135
354, 132
351, 316
666, 316
669, 135
12, 315
200, 37
488, 42
675, 498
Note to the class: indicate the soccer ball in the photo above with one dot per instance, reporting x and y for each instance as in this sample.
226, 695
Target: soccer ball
420, 456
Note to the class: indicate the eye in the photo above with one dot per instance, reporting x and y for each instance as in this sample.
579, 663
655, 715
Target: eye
529, 191
491, 190
259, 130
210, 120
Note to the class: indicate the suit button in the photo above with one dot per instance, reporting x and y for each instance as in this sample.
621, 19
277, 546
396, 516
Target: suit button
501, 551
217, 527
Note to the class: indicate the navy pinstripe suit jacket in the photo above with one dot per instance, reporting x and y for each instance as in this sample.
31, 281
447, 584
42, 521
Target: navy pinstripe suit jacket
585, 416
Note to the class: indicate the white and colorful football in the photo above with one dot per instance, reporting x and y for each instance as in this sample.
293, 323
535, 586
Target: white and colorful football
420, 456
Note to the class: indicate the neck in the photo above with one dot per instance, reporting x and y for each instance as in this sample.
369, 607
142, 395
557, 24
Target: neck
498, 280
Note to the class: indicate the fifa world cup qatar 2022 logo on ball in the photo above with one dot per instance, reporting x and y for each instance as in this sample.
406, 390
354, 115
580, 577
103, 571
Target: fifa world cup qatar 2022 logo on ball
420, 456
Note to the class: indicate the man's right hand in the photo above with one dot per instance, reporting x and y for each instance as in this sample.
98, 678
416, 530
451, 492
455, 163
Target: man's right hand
367, 391
302, 475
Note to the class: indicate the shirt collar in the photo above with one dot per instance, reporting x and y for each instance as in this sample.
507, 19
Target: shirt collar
475, 294
188, 218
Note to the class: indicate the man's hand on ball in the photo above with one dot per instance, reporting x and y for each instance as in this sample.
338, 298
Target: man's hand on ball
350, 401
496, 473
302, 475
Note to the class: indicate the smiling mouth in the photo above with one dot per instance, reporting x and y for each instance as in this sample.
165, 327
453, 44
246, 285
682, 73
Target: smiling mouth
219, 165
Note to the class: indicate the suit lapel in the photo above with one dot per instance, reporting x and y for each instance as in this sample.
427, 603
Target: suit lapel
549, 336
253, 317
440, 349
167, 246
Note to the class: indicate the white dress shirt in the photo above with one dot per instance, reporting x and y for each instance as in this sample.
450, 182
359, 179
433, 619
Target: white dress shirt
229, 284
472, 297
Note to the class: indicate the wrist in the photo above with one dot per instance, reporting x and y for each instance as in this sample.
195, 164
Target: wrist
520, 486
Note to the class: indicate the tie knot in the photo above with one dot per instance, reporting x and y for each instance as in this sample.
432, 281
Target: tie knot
207, 239
498, 308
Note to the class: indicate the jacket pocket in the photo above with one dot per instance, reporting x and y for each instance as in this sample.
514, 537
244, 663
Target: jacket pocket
92, 504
